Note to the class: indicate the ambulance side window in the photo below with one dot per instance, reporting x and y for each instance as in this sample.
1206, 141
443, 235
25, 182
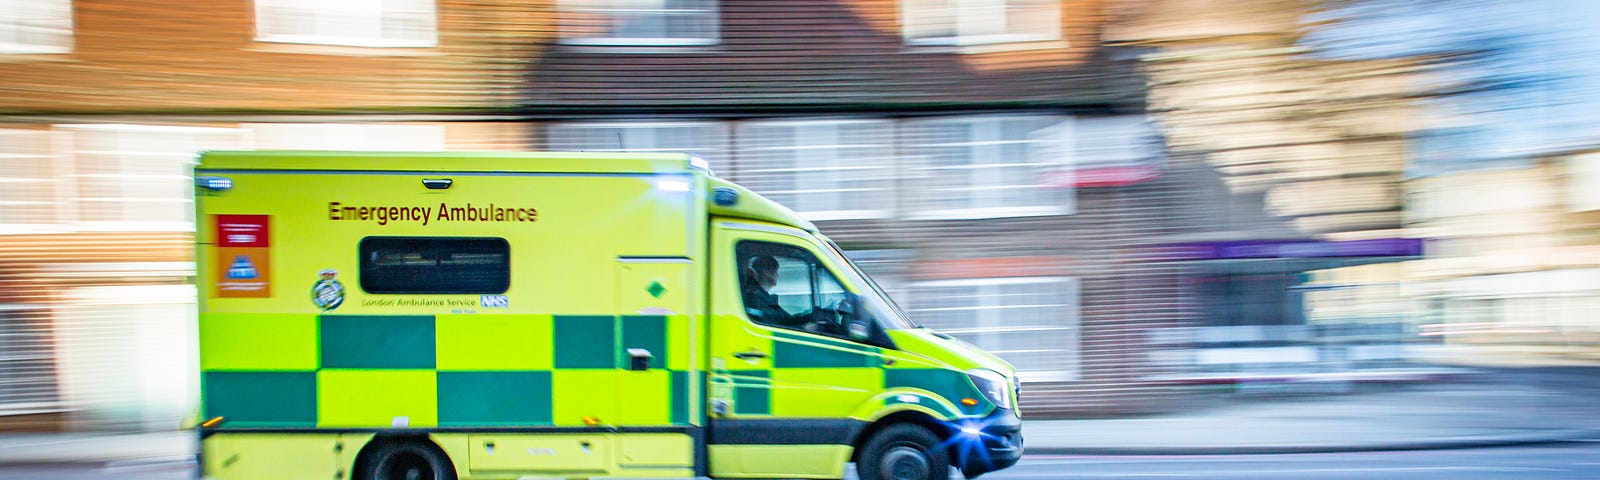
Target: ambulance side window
785, 286
439, 265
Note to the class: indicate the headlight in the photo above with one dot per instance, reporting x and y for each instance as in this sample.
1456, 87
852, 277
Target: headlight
992, 385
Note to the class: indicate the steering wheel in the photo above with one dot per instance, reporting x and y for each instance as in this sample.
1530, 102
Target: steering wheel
818, 322
829, 319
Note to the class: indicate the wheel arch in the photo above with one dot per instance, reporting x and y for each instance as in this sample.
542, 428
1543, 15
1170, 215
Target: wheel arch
423, 439
913, 417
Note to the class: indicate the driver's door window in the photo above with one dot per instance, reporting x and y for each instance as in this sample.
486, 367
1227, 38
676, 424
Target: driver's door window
784, 286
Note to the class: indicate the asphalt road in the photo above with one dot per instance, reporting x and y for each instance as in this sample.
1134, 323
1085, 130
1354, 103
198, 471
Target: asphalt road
1556, 461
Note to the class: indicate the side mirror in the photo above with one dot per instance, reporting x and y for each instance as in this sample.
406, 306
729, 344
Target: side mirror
858, 326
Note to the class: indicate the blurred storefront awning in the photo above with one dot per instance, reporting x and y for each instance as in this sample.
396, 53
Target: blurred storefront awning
1291, 256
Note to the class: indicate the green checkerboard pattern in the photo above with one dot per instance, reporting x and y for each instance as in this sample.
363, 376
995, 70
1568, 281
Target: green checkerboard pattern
848, 373
305, 371
377, 371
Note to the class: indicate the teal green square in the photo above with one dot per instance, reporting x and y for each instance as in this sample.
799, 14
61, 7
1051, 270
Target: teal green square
377, 341
516, 398
261, 399
752, 392
800, 354
649, 333
950, 384
585, 342
680, 398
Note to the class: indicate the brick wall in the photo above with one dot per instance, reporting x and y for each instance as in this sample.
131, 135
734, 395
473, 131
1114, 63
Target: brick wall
168, 56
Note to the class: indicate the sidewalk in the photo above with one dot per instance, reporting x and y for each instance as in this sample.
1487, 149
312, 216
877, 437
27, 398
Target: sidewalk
59, 448
1493, 408
1500, 407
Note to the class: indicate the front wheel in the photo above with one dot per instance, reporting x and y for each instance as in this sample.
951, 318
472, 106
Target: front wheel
413, 460
903, 452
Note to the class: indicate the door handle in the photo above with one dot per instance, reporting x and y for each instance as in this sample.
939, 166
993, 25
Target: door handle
750, 355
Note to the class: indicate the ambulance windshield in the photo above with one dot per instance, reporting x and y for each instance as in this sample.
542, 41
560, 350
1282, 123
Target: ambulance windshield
876, 303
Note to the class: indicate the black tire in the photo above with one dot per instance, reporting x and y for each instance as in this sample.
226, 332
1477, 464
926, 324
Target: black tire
406, 460
903, 451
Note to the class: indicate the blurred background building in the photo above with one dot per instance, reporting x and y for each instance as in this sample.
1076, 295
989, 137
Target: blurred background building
1500, 174
103, 107
1297, 266
1130, 201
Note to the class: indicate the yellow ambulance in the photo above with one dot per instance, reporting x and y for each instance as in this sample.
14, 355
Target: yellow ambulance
379, 316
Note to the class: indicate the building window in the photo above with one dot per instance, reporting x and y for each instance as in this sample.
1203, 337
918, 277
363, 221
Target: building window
1450, 150
1113, 151
1031, 322
1119, 141
823, 169
974, 22
136, 177
987, 167
707, 139
27, 361
639, 22
35, 26
346, 136
29, 195
1583, 182
126, 355
360, 23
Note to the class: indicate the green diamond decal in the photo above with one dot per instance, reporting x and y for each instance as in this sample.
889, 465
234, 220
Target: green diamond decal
656, 289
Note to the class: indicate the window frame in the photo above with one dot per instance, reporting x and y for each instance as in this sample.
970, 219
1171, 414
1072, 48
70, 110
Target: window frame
572, 8
1072, 287
838, 162
34, 385
47, 176
1058, 143
320, 12
78, 176
720, 136
13, 25
365, 268
338, 136
966, 20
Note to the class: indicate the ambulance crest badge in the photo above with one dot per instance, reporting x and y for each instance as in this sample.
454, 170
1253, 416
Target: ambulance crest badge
328, 293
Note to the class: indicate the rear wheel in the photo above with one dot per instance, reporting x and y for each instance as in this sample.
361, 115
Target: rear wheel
903, 451
406, 460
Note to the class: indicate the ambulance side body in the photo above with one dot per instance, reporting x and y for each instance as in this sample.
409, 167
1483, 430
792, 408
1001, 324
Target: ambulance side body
544, 315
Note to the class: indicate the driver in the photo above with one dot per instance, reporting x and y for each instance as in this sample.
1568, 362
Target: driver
759, 302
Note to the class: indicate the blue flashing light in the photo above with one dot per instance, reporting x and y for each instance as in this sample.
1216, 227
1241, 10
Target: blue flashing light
968, 443
214, 183
698, 162
672, 185
725, 197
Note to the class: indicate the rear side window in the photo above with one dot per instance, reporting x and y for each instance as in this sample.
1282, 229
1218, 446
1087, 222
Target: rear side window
435, 265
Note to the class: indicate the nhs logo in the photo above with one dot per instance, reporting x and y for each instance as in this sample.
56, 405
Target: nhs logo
494, 301
243, 269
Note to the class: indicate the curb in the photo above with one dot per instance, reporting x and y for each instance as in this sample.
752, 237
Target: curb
110, 451
153, 463
1565, 436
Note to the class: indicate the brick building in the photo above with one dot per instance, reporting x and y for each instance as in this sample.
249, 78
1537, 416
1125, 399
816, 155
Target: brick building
103, 106
990, 161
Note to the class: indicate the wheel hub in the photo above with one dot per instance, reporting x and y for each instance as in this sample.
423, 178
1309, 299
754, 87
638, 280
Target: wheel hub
905, 463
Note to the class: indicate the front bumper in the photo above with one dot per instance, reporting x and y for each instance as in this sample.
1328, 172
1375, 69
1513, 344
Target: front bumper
996, 445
